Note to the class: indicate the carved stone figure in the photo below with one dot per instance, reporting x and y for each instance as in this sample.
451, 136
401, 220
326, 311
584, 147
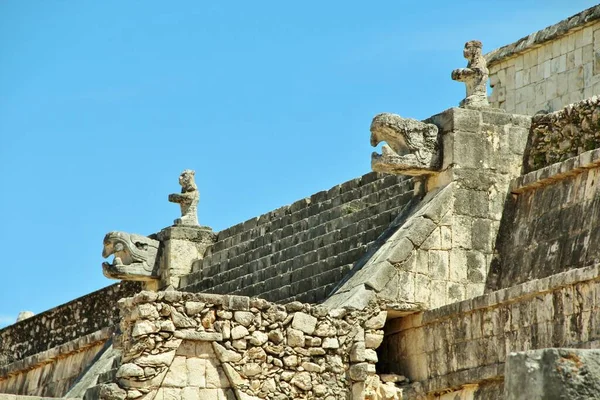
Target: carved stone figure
135, 257
412, 146
24, 315
187, 199
475, 76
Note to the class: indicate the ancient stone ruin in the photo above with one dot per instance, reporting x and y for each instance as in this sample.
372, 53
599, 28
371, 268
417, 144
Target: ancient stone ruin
465, 266
475, 76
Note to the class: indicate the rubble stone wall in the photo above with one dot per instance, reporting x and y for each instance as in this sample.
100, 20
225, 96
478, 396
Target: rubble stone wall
563, 134
467, 343
195, 346
59, 325
551, 224
548, 69
301, 251
52, 373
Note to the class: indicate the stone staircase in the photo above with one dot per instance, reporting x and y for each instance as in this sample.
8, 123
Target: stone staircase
101, 371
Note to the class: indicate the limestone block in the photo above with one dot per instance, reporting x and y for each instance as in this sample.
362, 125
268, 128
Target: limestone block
400, 250
168, 393
295, 337
144, 328
243, 317
553, 374
190, 393
330, 343
129, 370
193, 307
226, 355
196, 368
373, 340
156, 360
304, 322
302, 380
258, 338
359, 372
239, 332
177, 375
215, 376
376, 322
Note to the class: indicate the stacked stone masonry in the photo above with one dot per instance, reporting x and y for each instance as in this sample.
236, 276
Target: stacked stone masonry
77, 318
548, 69
53, 372
563, 134
180, 345
467, 343
300, 252
550, 226
439, 251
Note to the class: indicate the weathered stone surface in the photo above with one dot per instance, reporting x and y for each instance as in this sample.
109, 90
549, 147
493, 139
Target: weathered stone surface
226, 355
134, 257
239, 332
243, 317
348, 207
330, 343
360, 371
190, 334
302, 380
553, 374
193, 307
563, 134
129, 370
542, 233
357, 352
187, 199
373, 340
377, 322
412, 146
475, 76
258, 338
24, 315
175, 360
251, 369
112, 392
144, 328
304, 322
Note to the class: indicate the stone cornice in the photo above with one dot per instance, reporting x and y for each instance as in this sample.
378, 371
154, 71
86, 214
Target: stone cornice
536, 39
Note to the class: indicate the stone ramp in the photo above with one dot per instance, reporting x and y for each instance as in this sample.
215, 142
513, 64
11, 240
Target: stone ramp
101, 370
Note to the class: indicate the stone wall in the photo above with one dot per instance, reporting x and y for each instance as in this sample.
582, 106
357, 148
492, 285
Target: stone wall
465, 345
53, 372
301, 251
181, 345
563, 134
440, 250
551, 224
548, 69
64, 323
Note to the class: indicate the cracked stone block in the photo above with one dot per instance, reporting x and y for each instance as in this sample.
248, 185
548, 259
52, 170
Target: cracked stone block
553, 374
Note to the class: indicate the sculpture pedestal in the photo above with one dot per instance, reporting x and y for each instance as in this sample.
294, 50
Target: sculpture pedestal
180, 247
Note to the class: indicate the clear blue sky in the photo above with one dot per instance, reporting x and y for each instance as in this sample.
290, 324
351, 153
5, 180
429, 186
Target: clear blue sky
104, 103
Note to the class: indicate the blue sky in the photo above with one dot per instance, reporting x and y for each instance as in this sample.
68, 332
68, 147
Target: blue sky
104, 103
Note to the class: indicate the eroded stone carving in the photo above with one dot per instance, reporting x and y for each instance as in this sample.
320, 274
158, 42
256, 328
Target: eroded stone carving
134, 257
412, 146
475, 76
24, 315
187, 199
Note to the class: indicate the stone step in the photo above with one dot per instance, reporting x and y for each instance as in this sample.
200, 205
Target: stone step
108, 376
92, 393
